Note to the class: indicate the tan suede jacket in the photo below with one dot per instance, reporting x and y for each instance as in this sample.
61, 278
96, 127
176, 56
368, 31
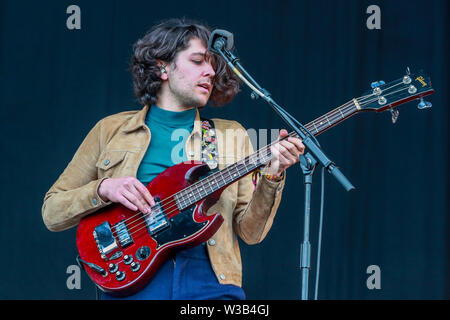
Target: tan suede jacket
115, 148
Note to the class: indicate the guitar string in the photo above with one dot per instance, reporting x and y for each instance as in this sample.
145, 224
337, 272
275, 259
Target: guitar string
238, 166
157, 217
360, 100
340, 108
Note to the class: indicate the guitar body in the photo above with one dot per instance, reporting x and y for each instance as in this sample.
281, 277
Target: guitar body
122, 249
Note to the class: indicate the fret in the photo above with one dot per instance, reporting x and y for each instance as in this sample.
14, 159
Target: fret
251, 161
319, 127
245, 167
227, 171
224, 182
215, 181
201, 189
229, 174
315, 127
206, 187
195, 193
237, 168
180, 202
234, 173
183, 202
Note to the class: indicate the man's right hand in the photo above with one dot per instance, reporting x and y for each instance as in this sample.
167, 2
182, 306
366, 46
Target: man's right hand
128, 191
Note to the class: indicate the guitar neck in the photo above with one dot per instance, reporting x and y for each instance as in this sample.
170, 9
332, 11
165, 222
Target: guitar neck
333, 117
236, 171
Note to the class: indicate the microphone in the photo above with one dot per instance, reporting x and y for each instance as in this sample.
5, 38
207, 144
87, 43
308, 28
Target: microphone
220, 39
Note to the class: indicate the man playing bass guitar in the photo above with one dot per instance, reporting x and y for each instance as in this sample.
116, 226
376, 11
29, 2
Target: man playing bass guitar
174, 76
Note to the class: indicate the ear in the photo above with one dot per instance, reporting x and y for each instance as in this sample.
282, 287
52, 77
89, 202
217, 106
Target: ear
163, 69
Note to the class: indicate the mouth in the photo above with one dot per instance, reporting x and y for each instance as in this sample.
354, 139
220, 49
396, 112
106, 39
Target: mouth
205, 86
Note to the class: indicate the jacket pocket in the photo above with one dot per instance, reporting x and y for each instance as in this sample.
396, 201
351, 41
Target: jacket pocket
110, 159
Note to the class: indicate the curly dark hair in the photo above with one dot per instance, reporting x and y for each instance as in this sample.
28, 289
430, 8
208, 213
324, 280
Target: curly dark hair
163, 42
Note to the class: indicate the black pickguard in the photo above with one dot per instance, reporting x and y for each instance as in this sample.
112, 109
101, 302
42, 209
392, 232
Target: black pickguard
180, 226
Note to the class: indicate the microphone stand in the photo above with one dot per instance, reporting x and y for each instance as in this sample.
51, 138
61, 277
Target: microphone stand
307, 162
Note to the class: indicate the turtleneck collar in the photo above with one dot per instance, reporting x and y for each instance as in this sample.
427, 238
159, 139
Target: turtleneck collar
171, 118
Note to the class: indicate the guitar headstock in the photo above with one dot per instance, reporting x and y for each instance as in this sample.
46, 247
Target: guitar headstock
384, 96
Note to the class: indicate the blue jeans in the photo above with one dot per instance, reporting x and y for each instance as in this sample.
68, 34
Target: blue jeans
189, 277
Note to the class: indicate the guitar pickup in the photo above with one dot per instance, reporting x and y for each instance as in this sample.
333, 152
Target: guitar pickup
122, 233
157, 220
156, 226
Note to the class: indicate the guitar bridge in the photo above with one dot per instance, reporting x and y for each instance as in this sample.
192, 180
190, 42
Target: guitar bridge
106, 243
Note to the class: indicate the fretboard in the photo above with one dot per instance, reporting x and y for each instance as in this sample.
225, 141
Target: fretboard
333, 117
236, 171
222, 178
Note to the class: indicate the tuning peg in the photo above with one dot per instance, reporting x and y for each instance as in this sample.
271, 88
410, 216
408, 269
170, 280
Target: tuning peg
394, 114
408, 72
376, 84
424, 104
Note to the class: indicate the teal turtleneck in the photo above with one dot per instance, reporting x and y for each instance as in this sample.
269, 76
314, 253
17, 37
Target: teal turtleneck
169, 130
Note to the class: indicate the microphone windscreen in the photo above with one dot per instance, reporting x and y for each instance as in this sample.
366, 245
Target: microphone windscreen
218, 33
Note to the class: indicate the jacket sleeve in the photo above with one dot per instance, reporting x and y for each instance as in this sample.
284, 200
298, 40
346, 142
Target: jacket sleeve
74, 194
256, 208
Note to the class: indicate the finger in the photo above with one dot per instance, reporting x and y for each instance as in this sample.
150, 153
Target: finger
291, 148
141, 199
124, 201
283, 133
134, 189
298, 143
275, 151
290, 157
145, 193
279, 157
134, 200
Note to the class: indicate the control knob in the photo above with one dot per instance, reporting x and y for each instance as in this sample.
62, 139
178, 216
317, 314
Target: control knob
127, 259
135, 266
120, 275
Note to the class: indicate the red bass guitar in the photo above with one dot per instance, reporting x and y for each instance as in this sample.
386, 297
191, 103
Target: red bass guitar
122, 249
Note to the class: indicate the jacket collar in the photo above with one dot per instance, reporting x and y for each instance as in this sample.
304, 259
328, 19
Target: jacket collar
138, 121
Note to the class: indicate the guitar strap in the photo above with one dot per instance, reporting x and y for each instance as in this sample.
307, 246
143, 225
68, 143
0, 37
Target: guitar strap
210, 151
209, 143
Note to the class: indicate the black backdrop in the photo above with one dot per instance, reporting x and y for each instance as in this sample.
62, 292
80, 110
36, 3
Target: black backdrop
312, 56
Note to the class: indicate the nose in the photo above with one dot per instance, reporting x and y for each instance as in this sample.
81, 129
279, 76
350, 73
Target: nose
209, 71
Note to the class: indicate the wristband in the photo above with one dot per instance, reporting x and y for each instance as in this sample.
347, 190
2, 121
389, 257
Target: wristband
274, 177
